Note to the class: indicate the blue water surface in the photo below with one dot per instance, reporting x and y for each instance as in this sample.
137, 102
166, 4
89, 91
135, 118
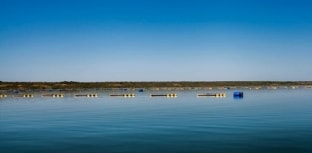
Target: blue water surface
263, 121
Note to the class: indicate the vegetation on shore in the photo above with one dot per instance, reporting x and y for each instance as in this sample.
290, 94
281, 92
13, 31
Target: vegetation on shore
70, 85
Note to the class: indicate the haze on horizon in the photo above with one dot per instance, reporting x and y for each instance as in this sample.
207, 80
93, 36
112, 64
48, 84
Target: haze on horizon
155, 40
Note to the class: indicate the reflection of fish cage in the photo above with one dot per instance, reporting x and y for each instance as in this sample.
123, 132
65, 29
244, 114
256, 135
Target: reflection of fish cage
238, 95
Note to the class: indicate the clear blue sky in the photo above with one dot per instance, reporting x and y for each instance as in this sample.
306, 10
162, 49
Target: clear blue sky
155, 40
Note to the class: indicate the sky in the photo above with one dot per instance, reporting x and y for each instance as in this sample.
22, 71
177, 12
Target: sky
155, 40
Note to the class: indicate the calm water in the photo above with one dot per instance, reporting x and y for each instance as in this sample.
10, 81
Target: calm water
264, 121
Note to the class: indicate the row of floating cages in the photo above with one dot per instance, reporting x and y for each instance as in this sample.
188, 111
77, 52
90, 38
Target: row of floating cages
271, 87
178, 88
283, 87
190, 88
227, 88
236, 95
50, 95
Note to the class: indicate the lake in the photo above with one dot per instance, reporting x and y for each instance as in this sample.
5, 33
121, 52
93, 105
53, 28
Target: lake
263, 121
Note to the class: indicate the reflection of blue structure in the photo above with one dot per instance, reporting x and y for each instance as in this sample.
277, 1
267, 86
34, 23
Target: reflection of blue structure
238, 95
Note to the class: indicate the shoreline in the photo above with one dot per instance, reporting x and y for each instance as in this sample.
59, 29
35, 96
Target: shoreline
172, 85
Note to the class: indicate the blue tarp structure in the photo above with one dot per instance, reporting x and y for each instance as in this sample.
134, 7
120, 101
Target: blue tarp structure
238, 95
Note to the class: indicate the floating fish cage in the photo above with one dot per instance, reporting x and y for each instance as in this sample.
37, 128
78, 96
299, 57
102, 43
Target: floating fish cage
169, 95
53, 95
87, 95
3, 96
129, 95
25, 96
217, 95
123, 95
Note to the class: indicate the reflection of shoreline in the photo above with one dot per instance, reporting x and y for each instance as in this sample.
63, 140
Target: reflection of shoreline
154, 86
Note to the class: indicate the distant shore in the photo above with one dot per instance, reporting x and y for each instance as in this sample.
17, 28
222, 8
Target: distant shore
71, 85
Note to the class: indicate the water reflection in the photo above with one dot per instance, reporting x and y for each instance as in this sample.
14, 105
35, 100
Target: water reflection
267, 121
